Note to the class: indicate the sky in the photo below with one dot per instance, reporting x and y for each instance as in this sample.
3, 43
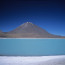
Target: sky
47, 14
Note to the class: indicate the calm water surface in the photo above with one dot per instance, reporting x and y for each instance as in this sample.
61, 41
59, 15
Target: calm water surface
32, 47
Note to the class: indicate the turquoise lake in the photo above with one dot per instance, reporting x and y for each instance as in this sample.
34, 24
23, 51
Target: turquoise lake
32, 47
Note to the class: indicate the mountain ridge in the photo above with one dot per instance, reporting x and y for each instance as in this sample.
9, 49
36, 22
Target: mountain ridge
29, 30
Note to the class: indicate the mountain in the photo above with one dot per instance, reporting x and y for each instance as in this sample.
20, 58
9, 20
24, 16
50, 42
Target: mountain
29, 30
2, 34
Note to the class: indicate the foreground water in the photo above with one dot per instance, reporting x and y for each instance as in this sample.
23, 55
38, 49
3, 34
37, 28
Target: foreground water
32, 47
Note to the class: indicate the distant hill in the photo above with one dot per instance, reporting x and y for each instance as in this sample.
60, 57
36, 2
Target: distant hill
2, 34
29, 30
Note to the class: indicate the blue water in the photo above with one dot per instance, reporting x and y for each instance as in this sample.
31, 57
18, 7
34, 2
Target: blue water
32, 47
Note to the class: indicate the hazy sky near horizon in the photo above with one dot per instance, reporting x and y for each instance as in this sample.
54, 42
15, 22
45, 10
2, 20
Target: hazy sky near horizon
48, 14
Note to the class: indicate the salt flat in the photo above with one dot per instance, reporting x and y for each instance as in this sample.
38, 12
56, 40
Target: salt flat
32, 60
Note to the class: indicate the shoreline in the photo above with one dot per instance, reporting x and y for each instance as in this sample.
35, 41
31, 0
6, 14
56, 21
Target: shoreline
40, 60
31, 56
32, 38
